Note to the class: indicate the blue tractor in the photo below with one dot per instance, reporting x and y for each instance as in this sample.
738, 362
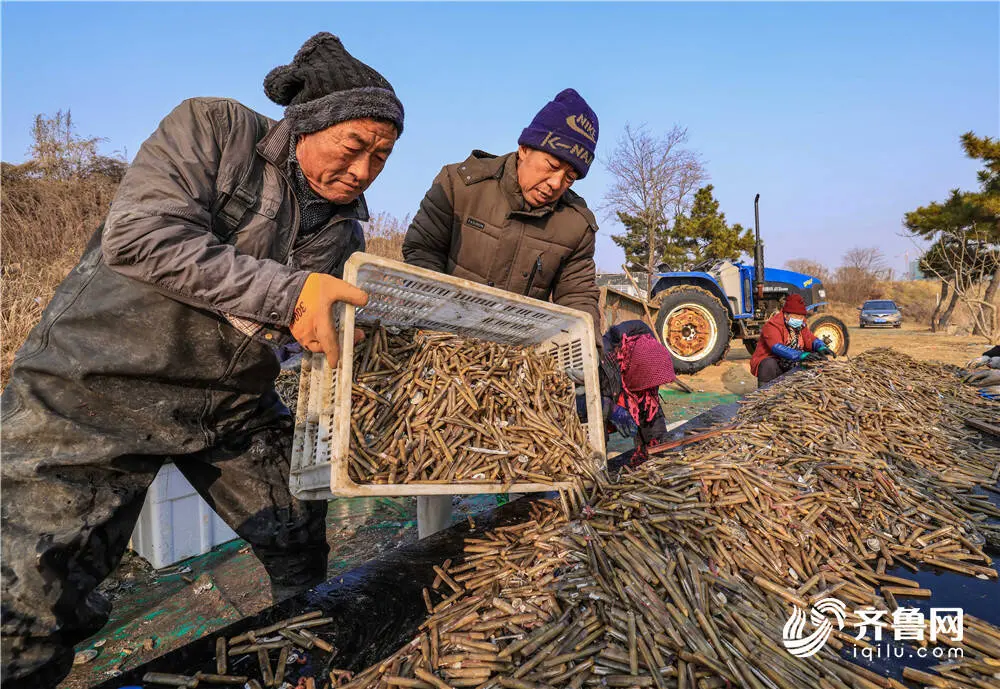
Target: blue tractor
699, 312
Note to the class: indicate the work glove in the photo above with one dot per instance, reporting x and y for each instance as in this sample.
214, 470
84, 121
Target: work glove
810, 358
982, 379
991, 393
823, 349
978, 362
312, 322
623, 422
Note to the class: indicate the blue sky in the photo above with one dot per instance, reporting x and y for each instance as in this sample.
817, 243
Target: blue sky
843, 116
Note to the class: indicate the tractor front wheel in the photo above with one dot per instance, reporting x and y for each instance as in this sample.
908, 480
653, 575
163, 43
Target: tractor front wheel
831, 330
694, 326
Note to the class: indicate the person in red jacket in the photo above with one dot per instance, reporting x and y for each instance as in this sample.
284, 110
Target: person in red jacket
785, 342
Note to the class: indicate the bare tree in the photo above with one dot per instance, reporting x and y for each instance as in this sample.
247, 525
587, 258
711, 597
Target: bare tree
807, 266
969, 260
858, 277
58, 152
868, 260
654, 180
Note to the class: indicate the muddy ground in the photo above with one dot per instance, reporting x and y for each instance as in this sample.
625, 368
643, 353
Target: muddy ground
156, 611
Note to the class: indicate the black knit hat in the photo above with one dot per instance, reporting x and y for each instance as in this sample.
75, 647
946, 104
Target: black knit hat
325, 85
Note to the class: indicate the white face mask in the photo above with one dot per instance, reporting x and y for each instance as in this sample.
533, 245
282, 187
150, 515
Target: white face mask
794, 322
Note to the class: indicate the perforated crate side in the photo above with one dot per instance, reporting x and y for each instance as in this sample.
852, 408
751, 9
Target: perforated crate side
396, 296
309, 477
407, 296
301, 412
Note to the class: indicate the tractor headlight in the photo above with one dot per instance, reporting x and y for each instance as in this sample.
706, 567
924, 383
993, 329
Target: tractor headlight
822, 294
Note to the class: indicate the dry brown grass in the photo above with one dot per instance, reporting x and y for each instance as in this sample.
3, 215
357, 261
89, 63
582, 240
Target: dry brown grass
384, 236
44, 227
917, 299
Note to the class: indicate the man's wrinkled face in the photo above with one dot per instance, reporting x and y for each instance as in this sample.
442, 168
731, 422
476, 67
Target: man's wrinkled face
543, 178
340, 162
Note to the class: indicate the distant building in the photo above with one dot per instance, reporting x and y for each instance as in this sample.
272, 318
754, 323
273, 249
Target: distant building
914, 272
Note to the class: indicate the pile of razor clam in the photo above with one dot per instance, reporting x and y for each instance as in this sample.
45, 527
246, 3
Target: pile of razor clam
438, 408
685, 571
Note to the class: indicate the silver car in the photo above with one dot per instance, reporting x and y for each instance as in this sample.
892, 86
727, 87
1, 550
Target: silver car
882, 312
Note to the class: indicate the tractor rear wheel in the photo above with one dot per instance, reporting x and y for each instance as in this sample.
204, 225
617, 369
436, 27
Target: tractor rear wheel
831, 330
694, 326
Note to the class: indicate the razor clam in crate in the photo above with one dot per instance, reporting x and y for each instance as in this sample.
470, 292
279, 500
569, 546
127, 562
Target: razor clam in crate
406, 296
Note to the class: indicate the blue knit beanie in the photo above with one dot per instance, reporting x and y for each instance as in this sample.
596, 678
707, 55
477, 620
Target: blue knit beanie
567, 128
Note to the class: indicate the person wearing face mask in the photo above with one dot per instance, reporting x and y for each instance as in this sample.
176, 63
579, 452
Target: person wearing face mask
512, 222
786, 342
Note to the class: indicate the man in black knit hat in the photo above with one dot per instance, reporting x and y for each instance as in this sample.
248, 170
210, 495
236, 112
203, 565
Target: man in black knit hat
225, 240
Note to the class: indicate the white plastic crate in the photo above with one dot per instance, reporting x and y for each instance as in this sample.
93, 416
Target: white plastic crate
406, 296
175, 523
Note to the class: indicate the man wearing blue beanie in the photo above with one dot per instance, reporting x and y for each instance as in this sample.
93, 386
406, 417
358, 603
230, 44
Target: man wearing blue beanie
512, 222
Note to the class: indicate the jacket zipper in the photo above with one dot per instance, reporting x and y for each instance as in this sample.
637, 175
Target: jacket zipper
289, 252
531, 278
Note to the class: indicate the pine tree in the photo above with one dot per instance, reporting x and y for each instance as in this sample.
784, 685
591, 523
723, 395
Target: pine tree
965, 230
987, 149
639, 235
703, 234
635, 241
987, 201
